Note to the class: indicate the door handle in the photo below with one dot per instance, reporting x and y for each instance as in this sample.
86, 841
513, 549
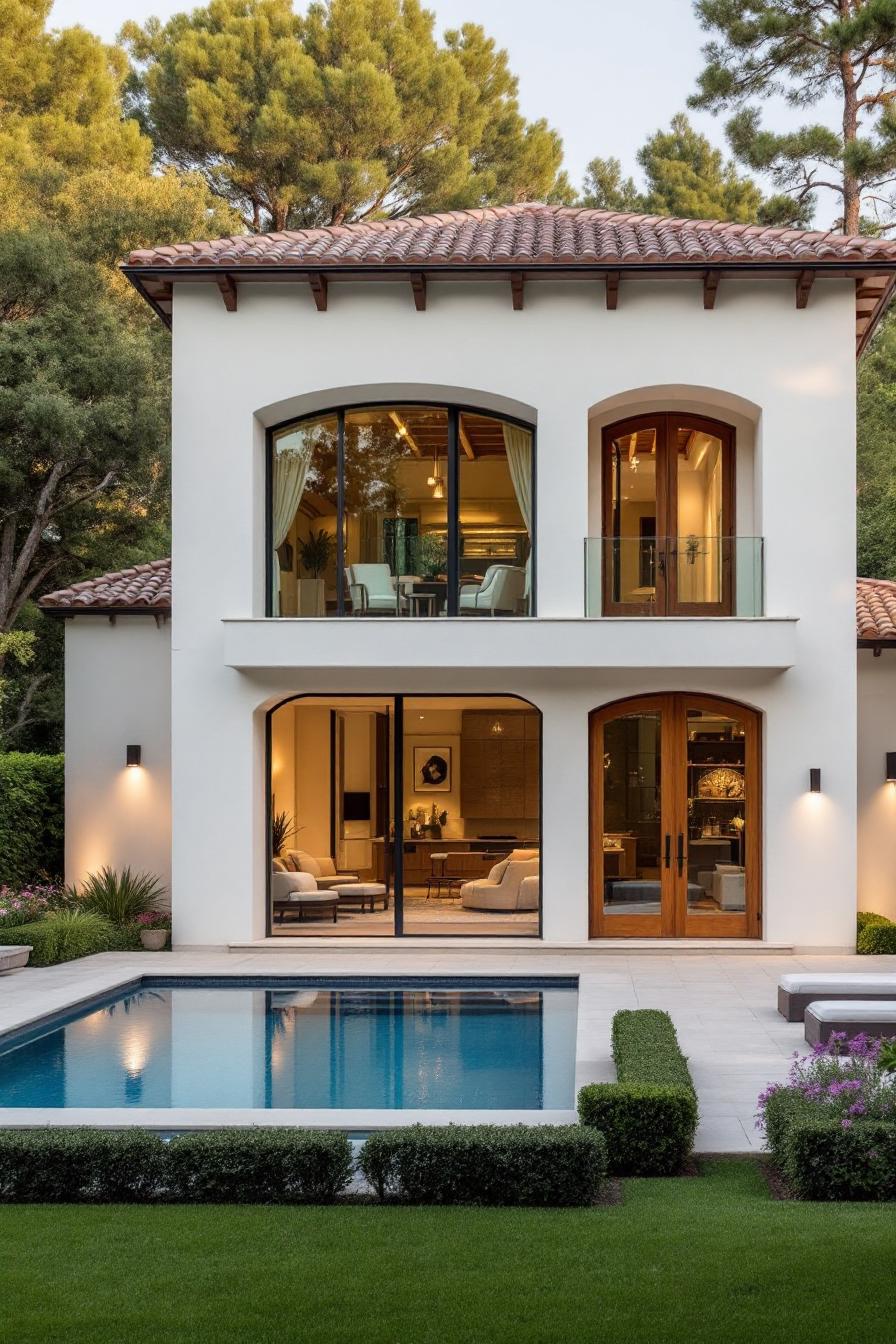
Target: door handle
668, 851
680, 854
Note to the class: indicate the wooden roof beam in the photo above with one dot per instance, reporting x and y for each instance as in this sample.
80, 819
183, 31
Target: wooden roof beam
465, 440
405, 433
710, 288
227, 286
418, 285
804, 283
516, 290
612, 290
318, 285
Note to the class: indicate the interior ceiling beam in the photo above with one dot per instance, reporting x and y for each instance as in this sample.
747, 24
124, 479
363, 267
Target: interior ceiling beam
465, 440
710, 288
803, 285
612, 290
227, 286
405, 433
318, 285
516, 290
418, 285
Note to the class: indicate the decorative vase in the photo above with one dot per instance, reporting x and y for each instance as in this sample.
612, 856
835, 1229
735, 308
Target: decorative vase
311, 597
154, 940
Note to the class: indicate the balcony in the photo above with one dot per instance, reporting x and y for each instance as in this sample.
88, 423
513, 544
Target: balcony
691, 576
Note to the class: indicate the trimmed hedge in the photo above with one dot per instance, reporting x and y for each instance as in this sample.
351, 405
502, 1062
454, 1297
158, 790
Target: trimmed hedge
877, 939
65, 935
135, 1166
521, 1165
649, 1117
47, 1166
866, 917
822, 1160
32, 817
259, 1166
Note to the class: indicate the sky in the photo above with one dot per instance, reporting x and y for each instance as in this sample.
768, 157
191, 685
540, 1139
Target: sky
605, 74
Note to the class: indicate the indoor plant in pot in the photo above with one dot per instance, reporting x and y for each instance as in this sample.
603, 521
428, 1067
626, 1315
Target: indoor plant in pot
154, 927
315, 552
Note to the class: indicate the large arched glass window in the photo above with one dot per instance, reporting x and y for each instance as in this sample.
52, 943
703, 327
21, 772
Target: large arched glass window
402, 510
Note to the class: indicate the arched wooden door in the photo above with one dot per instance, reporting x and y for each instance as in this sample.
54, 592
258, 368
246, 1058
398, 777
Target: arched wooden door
675, 818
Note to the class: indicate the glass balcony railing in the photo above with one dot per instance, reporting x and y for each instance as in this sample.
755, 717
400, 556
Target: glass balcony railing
674, 576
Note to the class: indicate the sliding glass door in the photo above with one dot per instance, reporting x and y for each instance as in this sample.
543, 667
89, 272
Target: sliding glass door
675, 827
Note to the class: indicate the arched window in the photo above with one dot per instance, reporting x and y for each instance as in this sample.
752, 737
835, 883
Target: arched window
401, 510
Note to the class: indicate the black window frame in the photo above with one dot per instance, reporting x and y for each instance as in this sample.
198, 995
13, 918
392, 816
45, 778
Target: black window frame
454, 411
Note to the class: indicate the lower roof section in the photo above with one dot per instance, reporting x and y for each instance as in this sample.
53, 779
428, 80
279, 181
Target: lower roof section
766, 643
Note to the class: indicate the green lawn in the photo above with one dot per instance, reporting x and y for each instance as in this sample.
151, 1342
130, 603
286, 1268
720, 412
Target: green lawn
712, 1259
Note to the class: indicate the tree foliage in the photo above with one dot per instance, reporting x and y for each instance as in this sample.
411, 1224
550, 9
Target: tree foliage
351, 111
685, 176
807, 51
876, 461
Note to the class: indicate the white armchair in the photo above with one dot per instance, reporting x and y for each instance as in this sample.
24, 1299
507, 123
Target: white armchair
372, 589
322, 870
502, 589
512, 884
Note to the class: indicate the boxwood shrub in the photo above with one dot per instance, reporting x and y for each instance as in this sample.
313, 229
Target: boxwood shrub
866, 917
81, 1166
259, 1166
649, 1117
32, 814
821, 1160
486, 1164
876, 939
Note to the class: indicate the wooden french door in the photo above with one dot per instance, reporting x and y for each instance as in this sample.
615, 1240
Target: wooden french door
668, 516
675, 818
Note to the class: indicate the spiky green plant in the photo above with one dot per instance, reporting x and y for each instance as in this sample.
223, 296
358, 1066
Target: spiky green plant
282, 827
120, 897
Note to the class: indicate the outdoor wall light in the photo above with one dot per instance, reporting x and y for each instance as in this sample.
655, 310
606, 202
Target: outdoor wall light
891, 767
133, 754
815, 780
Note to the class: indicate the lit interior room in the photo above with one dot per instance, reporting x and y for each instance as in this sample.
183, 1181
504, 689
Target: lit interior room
411, 814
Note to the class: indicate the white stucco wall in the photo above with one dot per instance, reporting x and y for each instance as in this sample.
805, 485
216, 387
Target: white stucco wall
117, 691
877, 798
789, 372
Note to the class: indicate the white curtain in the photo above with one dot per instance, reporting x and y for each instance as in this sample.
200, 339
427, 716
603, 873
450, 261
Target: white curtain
292, 460
518, 446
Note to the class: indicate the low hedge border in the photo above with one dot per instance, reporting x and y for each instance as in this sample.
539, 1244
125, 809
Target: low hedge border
820, 1160
649, 1117
522, 1165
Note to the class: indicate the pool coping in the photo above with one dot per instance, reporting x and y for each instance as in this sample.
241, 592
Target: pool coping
354, 1120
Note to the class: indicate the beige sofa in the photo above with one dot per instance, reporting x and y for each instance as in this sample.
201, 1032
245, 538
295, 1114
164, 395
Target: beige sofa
323, 870
512, 884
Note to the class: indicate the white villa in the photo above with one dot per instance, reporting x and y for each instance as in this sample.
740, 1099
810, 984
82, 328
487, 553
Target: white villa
512, 591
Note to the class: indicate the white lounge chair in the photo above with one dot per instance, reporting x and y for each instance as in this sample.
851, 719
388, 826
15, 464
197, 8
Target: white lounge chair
513, 884
503, 588
373, 590
323, 870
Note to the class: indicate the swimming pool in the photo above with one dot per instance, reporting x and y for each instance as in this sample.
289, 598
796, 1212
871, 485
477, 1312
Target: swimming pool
304, 1043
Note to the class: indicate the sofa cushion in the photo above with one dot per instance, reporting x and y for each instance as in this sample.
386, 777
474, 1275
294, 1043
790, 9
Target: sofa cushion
279, 866
304, 862
496, 873
518, 855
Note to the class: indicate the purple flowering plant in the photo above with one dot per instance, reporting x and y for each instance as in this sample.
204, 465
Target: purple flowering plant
154, 919
24, 905
847, 1079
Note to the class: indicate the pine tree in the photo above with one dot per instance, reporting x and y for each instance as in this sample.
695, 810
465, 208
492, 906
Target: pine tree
807, 51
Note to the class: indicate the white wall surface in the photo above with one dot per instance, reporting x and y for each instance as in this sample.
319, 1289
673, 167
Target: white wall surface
564, 355
117, 691
877, 798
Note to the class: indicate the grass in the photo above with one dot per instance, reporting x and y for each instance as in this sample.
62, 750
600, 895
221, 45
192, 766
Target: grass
678, 1260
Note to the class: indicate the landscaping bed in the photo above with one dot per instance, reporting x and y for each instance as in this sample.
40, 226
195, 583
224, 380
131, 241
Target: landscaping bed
109, 913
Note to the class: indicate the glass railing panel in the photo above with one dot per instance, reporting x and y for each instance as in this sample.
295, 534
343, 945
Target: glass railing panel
674, 576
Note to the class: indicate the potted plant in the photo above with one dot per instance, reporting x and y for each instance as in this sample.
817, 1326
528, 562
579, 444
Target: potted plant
282, 827
154, 929
315, 552
432, 555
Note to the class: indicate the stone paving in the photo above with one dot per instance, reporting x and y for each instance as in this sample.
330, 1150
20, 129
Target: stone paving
723, 1006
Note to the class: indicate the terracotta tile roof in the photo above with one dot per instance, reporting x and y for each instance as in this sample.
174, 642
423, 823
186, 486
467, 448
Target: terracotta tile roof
524, 235
145, 587
876, 611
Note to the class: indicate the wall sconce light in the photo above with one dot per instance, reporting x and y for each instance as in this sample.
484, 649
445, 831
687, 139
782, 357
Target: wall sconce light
891, 767
133, 754
815, 780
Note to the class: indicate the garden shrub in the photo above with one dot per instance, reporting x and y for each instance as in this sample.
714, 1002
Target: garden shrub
649, 1117
866, 917
24, 905
259, 1166
120, 897
877, 939
821, 1159
520, 1165
66, 934
32, 815
649, 1127
80, 1166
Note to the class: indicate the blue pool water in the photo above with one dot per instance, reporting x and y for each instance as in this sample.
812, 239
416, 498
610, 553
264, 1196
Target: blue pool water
304, 1043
